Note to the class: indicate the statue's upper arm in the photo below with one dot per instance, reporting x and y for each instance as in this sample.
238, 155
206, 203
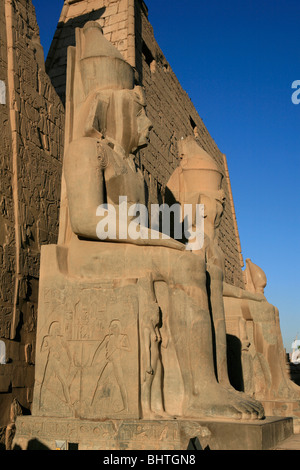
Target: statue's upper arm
84, 176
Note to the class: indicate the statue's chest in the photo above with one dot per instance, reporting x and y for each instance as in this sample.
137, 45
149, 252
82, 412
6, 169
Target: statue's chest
125, 181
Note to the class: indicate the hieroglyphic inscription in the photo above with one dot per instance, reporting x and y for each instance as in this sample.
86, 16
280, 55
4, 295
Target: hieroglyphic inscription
110, 435
86, 341
6, 319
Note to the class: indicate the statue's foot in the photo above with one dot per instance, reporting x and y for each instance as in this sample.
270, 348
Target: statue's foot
219, 402
246, 398
258, 409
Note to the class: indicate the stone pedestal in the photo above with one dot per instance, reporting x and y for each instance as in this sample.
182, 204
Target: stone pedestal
87, 362
256, 354
87, 383
284, 408
47, 433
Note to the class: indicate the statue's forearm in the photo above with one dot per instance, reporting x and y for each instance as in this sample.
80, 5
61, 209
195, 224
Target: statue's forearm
238, 293
87, 224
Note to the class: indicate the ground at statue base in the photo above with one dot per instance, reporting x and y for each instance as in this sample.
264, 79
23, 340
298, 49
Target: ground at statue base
34, 433
292, 443
284, 408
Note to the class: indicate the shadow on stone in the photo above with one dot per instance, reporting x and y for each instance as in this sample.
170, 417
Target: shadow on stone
35, 444
294, 373
234, 357
57, 60
194, 444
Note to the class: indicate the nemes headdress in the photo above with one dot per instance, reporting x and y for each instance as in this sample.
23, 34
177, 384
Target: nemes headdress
195, 160
197, 171
102, 65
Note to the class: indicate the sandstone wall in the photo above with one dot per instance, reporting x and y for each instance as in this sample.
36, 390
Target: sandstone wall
31, 151
115, 16
7, 219
125, 23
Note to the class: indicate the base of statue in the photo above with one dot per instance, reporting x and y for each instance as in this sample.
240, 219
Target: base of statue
34, 433
284, 408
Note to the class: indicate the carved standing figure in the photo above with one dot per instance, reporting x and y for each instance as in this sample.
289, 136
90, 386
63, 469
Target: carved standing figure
149, 313
113, 344
59, 362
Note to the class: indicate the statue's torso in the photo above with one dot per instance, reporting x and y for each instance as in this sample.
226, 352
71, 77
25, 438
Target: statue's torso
122, 179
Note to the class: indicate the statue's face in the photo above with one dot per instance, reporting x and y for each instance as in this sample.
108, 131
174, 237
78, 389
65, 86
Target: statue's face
213, 209
127, 122
219, 210
143, 123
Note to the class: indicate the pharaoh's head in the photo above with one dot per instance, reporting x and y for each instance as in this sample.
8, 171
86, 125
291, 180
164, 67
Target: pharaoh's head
198, 180
117, 105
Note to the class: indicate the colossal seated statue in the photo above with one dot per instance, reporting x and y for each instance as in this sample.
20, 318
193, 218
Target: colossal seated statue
254, 325
124, 324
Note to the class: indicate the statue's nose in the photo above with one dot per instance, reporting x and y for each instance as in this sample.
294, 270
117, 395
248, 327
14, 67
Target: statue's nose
149, 123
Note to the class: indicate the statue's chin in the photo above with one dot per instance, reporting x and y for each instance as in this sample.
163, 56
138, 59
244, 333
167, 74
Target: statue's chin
144, 142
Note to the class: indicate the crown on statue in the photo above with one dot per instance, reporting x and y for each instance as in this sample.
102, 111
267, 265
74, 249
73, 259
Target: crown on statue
200, 164
102, 65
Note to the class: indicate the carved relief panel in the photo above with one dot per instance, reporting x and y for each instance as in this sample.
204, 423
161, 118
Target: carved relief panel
87, 352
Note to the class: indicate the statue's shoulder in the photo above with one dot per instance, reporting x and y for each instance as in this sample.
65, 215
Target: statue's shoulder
96, 154
88, 150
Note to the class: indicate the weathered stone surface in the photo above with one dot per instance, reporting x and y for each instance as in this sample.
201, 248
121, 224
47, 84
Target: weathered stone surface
32, 130
5, 383
2, 437
41, 433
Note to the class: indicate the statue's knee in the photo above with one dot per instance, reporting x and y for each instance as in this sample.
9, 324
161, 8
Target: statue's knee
189, 270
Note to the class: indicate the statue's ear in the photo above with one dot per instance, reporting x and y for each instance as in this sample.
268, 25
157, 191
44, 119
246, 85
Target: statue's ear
203, 200
222, 196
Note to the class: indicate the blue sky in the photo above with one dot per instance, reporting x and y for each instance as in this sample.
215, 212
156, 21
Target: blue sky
237, 60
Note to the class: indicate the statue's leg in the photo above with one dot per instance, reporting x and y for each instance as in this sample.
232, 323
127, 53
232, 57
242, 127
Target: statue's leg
146, 394
150, 401
149, 319
215, 292
120, 381
190, 326
64, 385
